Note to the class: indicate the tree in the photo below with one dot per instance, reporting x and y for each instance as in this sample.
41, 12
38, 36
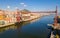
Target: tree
25, 11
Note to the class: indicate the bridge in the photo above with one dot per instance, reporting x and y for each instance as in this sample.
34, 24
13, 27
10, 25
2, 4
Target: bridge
56, 11
45, 12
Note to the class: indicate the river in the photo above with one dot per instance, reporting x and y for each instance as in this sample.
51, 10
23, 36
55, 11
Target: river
32, 29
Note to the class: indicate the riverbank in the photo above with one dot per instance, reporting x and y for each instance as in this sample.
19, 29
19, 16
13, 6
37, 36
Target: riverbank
32, 17
37, 29
9, 24
5, 25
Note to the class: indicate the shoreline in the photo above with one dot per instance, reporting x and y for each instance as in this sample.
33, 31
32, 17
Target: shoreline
9, 24
25, 20
6, 25
31, 19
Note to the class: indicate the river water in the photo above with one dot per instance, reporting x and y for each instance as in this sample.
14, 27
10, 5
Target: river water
32, 29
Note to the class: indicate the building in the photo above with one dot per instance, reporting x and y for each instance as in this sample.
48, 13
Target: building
25, 15
2, 17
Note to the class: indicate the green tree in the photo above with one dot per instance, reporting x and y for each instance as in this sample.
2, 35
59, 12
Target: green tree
25, 11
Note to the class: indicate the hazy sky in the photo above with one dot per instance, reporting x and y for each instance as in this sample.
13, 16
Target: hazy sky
32, 5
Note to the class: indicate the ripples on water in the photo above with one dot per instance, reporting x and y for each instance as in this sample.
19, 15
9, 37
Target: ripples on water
32, 29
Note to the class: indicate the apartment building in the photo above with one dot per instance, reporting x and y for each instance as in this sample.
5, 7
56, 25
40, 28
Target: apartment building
2, 17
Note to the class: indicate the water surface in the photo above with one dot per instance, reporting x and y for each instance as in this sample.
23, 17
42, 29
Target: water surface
32, 29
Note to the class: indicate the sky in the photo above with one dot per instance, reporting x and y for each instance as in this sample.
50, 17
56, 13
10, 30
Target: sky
32, 5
